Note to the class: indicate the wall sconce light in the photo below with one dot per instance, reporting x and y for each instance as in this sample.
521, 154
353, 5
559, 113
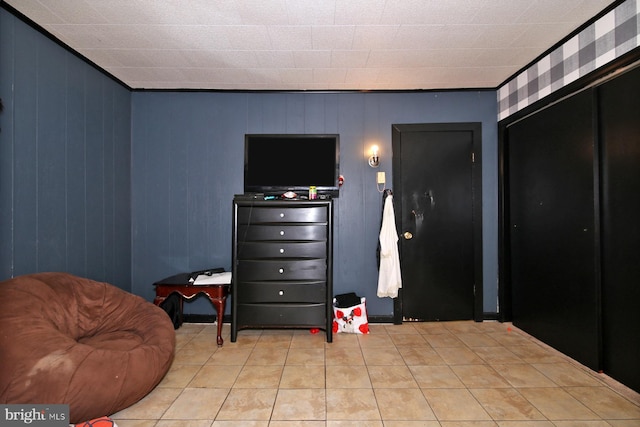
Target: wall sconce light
374, 160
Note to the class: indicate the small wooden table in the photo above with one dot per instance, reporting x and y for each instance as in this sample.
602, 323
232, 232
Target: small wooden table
180, 284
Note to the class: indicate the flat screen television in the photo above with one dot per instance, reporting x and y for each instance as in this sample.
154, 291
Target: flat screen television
277, 163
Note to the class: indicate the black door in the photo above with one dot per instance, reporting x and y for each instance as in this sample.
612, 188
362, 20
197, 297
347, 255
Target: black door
552, 226
620, 142
435, 169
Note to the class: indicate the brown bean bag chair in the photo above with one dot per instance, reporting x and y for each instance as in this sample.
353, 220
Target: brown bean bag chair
70, 340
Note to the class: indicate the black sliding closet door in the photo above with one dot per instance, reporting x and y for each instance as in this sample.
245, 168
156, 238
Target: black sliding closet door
620, 141
552, 226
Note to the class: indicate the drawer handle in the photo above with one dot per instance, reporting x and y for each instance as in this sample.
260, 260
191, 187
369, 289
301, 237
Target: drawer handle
282, 232
281, 250
281, 293
281, 214
281, 270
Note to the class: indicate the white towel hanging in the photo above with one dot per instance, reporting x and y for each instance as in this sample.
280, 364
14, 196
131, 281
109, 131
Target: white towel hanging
389, 276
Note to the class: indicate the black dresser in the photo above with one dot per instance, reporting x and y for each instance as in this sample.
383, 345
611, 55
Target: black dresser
282, 265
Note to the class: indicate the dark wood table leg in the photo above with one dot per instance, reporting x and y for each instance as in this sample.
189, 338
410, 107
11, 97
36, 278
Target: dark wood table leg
219, 304
216, 293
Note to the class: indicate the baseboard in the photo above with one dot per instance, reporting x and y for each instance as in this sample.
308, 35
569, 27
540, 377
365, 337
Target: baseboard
203, 318
490, 316
211, 318
380, 319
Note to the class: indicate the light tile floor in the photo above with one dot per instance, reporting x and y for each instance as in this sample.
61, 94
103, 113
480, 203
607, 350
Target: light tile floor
447, 374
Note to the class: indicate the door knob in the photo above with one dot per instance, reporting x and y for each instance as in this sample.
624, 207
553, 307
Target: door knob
407, 235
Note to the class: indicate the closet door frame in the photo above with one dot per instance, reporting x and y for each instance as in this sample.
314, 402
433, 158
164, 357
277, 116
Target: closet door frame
599, 76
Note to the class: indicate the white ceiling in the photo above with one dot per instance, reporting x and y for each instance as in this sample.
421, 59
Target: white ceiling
310, 44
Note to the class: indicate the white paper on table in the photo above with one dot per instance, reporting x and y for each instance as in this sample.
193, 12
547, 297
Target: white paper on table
214, 279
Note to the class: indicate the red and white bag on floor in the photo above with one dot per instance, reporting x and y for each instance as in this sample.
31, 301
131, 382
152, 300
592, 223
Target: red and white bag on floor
351, 320
97, 422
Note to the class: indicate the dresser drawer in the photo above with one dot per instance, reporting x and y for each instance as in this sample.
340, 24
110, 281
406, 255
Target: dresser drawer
280, 214
266, 315
256, 270
281, 292
255, 250
281, 232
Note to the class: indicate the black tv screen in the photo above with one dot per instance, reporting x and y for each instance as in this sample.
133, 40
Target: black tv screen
275, 164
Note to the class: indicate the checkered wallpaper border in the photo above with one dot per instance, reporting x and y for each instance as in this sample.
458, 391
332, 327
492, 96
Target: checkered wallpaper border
608, 38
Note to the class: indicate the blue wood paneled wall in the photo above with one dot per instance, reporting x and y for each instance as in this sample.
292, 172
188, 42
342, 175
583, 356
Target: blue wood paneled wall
188, 163
65, 161
132, 187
